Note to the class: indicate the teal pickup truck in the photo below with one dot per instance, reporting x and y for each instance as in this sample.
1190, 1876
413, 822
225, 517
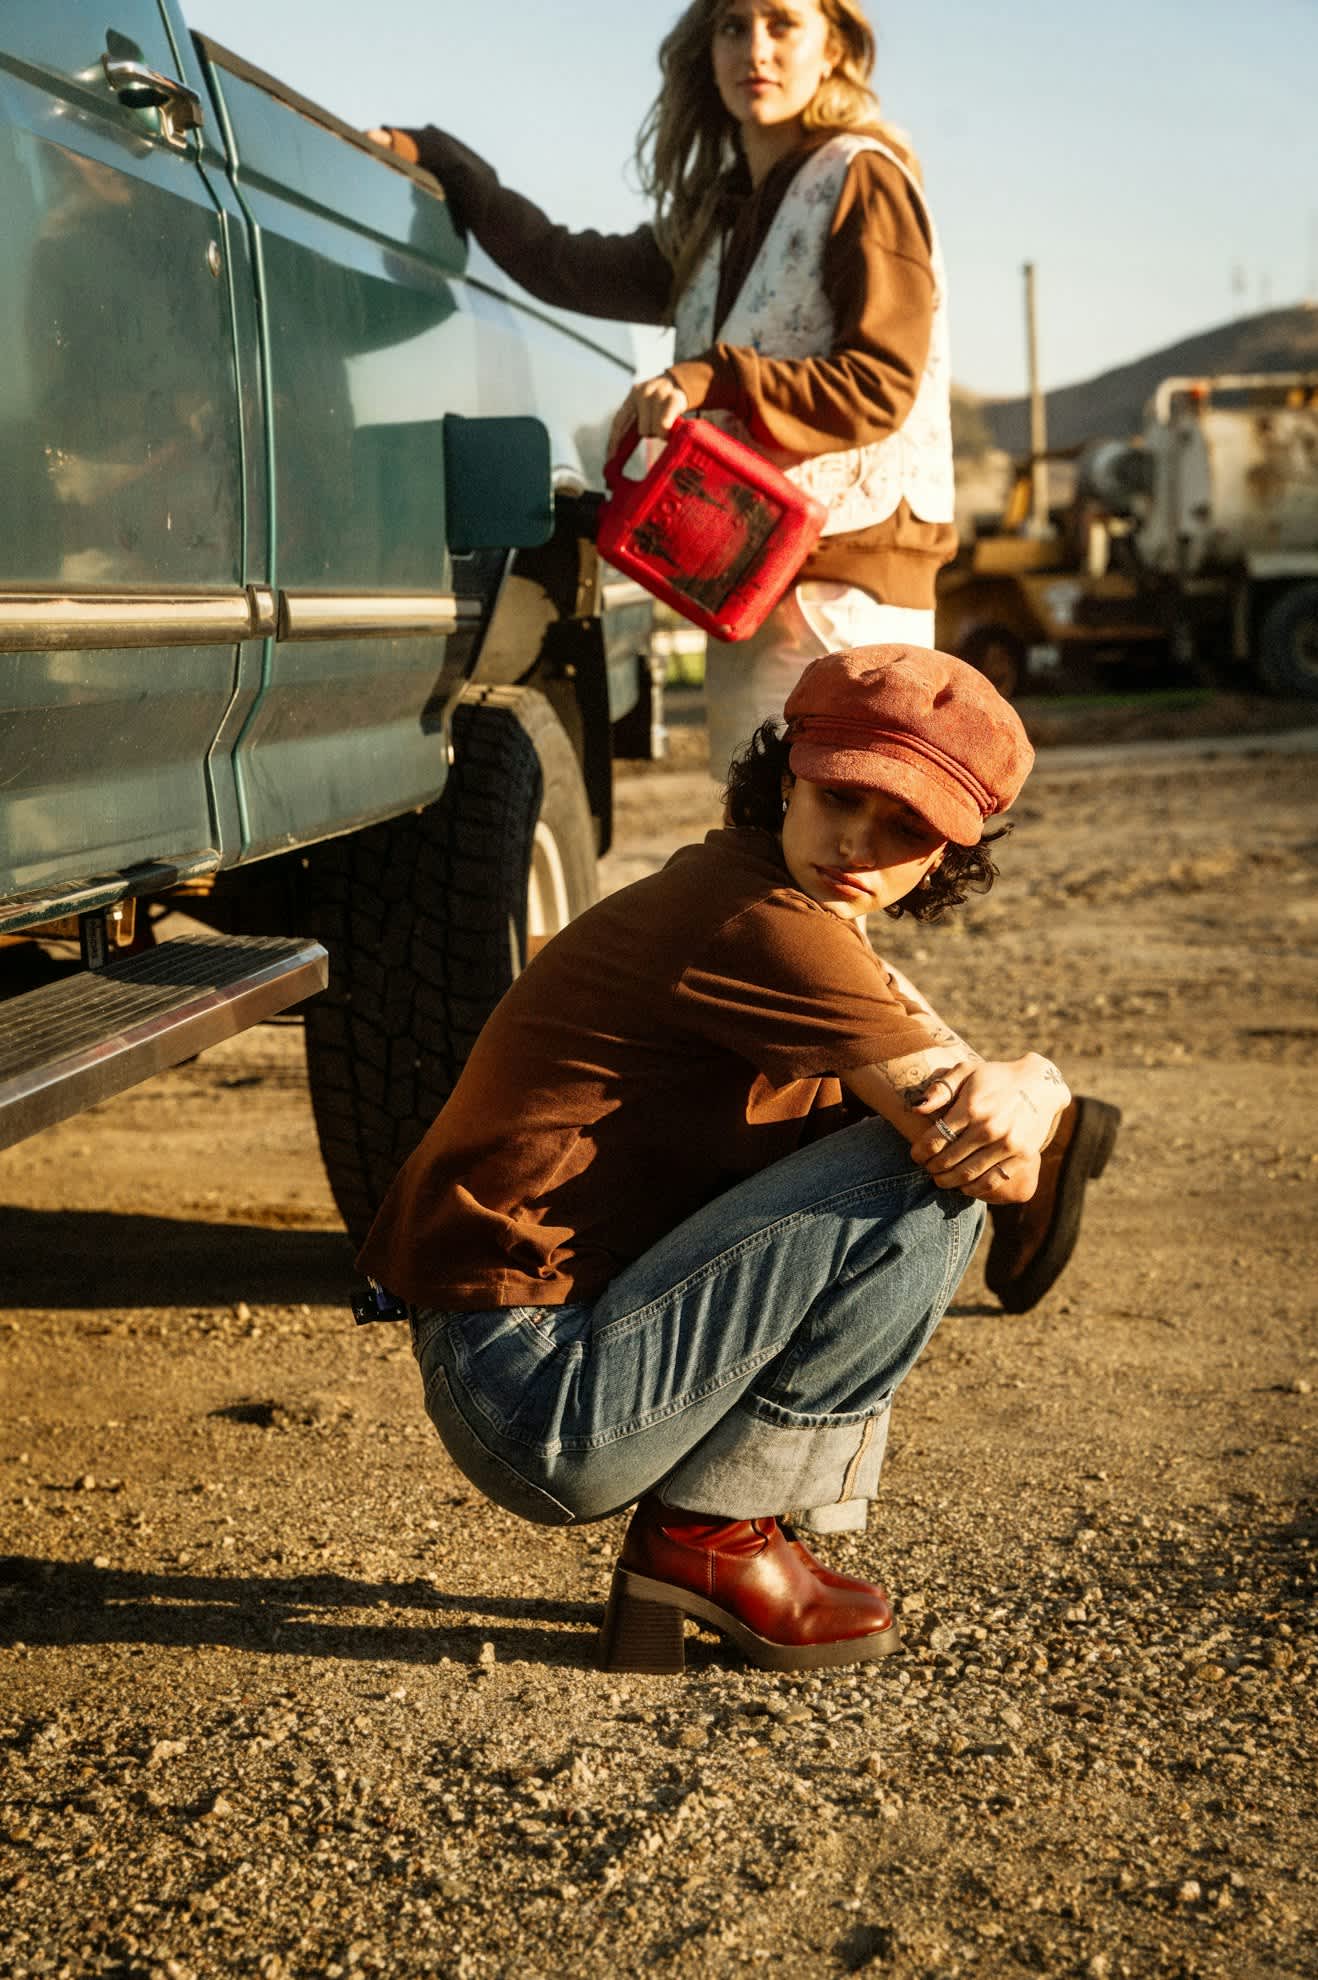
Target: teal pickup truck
301, 624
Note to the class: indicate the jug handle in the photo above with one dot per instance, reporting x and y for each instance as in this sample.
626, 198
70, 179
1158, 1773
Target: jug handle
613, 467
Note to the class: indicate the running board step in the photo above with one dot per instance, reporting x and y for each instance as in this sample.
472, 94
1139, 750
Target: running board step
72, 1043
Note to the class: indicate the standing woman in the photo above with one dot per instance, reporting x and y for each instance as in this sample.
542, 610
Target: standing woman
793, 252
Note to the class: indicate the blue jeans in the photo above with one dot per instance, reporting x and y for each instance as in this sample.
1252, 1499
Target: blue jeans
744, 1364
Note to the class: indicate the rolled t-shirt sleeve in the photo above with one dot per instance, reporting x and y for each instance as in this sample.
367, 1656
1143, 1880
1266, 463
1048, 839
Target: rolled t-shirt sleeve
797, 992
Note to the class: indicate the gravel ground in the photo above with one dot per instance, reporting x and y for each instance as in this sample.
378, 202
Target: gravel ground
281, 1695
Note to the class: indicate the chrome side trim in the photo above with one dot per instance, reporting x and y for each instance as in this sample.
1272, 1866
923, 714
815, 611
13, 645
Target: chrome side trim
372, 614
265, 611
59, 899
42, 621
33, 621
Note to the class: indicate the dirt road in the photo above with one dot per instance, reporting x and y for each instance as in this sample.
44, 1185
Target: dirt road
279, 1695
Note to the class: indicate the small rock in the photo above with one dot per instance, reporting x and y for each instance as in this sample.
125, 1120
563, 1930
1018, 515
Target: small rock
1210, 1674
1300, 1386
1190, 1891
691, 1737
485, 1658
242, 1311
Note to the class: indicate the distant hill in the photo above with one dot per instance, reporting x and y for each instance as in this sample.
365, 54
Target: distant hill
1112, 405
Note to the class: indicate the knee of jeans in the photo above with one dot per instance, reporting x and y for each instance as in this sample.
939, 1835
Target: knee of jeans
485, 1469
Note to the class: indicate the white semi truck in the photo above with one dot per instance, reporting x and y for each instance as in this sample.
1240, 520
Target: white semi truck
1220, 499
1201, 534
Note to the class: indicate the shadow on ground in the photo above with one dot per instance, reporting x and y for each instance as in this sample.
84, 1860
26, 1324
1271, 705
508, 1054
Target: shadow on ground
97, 1258
62, 1603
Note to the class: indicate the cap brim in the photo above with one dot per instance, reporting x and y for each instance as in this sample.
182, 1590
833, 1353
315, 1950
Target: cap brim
947, 808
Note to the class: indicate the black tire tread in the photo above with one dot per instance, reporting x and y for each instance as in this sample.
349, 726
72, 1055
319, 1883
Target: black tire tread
424, 918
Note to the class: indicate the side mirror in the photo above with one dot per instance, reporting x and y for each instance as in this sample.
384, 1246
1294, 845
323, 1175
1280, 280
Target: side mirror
498, 488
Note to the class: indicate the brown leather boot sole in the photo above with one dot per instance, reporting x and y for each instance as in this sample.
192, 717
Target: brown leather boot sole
643, 1630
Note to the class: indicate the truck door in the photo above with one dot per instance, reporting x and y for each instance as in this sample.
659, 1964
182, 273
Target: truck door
353, 258
122, 501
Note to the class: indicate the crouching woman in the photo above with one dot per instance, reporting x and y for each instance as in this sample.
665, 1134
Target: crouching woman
713, 1172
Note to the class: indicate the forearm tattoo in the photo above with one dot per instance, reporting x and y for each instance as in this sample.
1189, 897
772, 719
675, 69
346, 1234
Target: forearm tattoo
1050, 1077
913, 1078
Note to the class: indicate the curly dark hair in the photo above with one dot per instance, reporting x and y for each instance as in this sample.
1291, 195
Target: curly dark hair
753, 797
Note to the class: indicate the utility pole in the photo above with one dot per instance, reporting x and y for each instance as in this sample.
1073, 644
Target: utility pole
1039, 525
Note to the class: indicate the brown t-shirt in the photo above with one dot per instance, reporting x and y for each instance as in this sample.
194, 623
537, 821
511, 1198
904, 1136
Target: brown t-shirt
877, 274
681, 1035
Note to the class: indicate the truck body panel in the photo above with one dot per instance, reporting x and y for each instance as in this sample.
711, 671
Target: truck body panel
234, 363
124, 454
1235, 472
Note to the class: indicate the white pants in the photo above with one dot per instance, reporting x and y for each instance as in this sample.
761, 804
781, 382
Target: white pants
748, 680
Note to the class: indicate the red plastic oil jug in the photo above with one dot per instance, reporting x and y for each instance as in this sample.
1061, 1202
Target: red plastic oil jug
712, 528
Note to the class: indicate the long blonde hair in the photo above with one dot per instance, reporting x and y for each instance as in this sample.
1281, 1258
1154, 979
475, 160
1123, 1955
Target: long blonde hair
688, 141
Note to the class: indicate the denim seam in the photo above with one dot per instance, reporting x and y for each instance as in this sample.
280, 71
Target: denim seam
756, 1240
619, 1433
775, 1417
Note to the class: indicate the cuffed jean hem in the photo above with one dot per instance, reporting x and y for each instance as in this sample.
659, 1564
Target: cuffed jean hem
747, 1465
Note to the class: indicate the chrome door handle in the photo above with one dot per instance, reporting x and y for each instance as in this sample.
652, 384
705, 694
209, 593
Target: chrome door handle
141, 88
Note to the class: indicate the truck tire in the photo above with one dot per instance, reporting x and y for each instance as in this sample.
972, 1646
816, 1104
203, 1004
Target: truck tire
427, 919
1288, 643
999, 655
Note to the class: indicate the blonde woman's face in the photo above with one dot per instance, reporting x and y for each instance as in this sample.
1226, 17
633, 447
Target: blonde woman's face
770, 56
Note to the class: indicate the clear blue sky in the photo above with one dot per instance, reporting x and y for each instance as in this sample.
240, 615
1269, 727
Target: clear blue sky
1157, 159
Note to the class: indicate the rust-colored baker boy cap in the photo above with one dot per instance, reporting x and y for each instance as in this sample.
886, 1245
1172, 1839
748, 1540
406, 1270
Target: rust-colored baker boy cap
919, 725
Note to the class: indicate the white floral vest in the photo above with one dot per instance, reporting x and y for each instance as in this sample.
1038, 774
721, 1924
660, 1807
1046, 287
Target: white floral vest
782, 311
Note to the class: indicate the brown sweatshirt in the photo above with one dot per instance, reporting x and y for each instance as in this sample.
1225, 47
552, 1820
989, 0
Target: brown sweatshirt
878, 278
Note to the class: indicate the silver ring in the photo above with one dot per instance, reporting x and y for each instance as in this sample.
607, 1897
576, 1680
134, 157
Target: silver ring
949, 1134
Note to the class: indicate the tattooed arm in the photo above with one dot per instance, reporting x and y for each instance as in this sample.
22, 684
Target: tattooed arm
1003, 1112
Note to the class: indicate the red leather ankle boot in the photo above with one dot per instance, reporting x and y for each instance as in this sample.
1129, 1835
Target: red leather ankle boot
743, 1578
820, 1569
